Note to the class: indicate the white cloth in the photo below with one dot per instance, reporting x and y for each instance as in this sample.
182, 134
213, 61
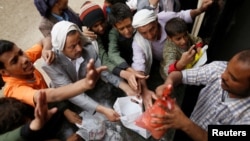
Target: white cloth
59, 34
147, 49
77, 63
143, 17
132, 4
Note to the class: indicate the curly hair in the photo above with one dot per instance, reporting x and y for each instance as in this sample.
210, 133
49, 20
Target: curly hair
14, 113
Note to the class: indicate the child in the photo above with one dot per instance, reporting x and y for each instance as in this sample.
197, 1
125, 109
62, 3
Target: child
108, 3
179, 51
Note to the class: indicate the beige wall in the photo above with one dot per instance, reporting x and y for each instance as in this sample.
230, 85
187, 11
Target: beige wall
19, 20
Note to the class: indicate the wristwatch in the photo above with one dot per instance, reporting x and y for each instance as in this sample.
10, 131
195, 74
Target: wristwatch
152, 6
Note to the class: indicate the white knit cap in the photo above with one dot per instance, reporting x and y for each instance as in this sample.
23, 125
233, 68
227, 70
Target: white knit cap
143, 17
59, 33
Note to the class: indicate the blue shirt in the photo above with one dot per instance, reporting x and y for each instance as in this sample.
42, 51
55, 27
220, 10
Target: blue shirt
213, 106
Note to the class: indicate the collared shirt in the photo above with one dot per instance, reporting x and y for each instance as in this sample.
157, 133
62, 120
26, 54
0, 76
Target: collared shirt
77, 62
61, 18
213, 106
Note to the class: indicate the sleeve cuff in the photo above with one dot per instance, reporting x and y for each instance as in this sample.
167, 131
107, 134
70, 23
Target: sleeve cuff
117, 70
172, 67
27, 133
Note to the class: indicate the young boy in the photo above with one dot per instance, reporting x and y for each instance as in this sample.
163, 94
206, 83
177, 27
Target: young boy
92, 17
24, 81
178, 51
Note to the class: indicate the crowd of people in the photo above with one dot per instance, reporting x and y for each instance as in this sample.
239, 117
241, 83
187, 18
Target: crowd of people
126, 46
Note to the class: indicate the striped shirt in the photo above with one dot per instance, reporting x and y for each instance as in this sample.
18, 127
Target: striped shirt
213, 106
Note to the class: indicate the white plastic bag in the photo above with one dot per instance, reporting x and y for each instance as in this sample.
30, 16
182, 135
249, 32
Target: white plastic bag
130, 108
92, 127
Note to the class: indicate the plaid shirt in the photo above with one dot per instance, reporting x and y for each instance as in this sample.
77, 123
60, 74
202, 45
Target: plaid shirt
213, 106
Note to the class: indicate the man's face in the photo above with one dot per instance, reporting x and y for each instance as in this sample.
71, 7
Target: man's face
125, 27
99, 27
16, 63
73, 46
149, 31
61, 5
235, 79
180, 40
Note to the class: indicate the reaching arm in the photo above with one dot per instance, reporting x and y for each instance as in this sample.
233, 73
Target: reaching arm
176, 119
147, 94
204, 6
174, 78
47, 54
73, 89
195, 132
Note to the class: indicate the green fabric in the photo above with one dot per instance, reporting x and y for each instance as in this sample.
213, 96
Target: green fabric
14, 135
114, 53
103, 55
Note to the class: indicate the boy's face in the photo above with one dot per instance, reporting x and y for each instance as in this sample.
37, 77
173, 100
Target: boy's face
73, 46
125, 27
180, 40
99, 27
16, 63
149, 31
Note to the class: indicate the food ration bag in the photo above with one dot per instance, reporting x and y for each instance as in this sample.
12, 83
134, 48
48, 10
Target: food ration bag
144, 120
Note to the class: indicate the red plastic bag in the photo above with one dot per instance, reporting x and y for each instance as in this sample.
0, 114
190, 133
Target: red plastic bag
144, 120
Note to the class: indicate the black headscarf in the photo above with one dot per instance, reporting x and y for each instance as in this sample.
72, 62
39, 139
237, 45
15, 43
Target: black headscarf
44, 6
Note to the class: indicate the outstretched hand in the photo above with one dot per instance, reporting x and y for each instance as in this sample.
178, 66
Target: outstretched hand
93, 74
174, 118
42, 113
48, 56
205, 4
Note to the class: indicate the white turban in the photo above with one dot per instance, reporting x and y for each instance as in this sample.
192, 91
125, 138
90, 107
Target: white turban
143, 17
59, 33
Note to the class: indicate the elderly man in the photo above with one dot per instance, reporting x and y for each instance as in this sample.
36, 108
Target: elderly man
149, 40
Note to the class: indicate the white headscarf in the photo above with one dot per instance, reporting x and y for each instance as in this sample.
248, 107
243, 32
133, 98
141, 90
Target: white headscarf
143, 17
59, 34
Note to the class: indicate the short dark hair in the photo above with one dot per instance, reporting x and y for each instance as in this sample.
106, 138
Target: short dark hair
244, 56
119, 12
5, 46
175, 26
14, 113
112, 2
